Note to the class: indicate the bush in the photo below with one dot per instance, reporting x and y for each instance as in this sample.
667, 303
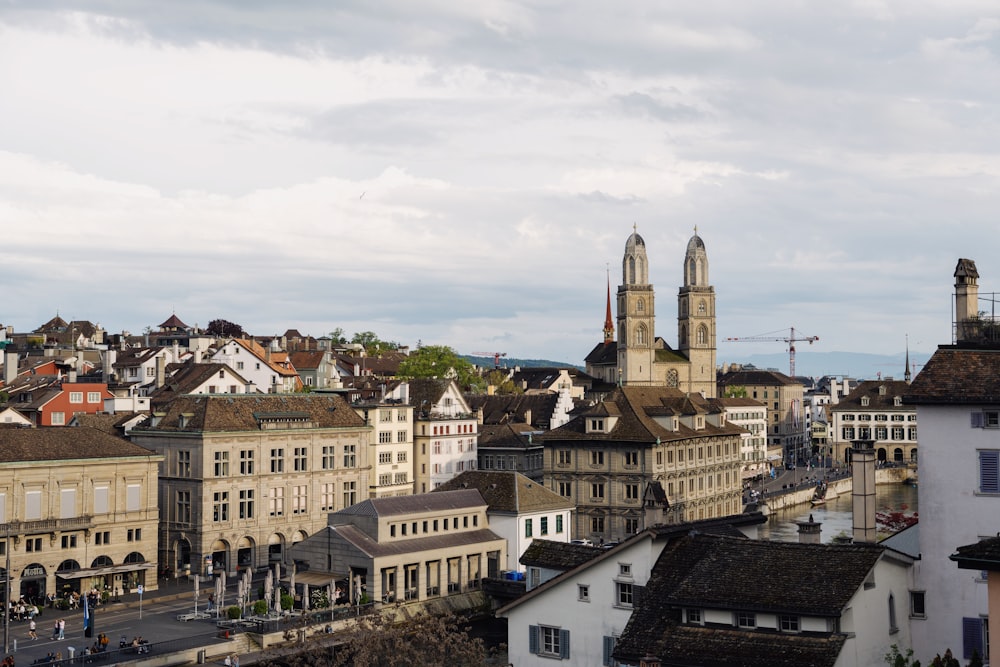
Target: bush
233, 613
260, 607
287, 602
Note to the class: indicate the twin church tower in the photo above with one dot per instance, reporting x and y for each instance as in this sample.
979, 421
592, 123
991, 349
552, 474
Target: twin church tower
638, 357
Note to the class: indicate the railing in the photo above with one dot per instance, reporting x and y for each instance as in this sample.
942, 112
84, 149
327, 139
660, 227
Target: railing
433, 591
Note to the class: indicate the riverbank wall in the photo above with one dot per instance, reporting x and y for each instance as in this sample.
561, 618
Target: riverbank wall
803, 495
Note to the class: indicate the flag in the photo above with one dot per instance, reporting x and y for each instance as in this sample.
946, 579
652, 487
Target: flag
88, 624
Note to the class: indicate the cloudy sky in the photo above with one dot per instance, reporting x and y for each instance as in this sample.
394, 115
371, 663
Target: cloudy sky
463, 173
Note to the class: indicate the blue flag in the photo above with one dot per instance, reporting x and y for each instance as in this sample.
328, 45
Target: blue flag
87, 631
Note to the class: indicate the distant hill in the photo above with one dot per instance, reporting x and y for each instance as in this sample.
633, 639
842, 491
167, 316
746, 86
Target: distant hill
859, 365
508, 362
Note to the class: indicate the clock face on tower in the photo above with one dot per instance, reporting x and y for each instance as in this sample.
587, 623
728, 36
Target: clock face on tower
672, 379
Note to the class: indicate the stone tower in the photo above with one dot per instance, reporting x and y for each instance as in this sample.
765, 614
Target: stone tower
636, 316
966, 300
696, 319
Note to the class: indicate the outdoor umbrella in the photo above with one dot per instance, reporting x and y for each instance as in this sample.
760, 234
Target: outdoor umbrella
222, 593
291, 584
218, 595
197, 585
305, 597
269, 588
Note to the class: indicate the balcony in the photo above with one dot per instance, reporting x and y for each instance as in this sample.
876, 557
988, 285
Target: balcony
46, 525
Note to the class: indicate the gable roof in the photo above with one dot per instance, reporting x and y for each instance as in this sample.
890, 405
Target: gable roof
506, 408
422, 502
375, 549
957, 375
507, 491
877, 400
756, 377
558, 555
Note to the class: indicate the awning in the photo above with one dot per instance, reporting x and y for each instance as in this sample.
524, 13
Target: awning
774, 457
101, 571
315, 578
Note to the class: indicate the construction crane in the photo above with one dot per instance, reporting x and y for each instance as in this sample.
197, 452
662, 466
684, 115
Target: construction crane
496, 356
789, 340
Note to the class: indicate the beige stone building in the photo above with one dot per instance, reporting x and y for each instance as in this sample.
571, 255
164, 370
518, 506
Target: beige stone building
78, 508
245, 476
391, 447
783, 397
605, 458
405, 548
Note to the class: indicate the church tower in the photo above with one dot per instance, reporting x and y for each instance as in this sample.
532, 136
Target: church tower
636, 316
696, 319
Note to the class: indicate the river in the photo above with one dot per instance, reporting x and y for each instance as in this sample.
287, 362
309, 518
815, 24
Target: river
835, 515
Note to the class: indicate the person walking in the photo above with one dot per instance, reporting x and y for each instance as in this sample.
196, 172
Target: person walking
32, 635
62, 628
55, 630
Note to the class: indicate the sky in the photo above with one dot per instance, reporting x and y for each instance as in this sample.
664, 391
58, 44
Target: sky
467, 173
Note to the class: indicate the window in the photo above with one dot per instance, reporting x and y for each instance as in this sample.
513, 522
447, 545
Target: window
566, 489
917, 609
300, 458
385, 457
631, 526
401, 456
246, 461
788, 623
133, 497
350, 493
548, 641
893, 625
986, 419
632, 492
76, 397
596, 458
625, 569
300, 499
385, 479
746, 619
847, 433
583, 593
527, 527
246, 504
609, 643
384, 437
222, 464
597, 524
402, 436
974, 637
989, 471
33, 544
220, 506
565, 457
543, 525
183, 507
597, 491
631, 458
93, 397
329, 457
58, 418
328, 493
694, 617
134, 535
559, 523
278, 460
100, 537
623, 594
400, 478
69, 541
276, 503
350, 457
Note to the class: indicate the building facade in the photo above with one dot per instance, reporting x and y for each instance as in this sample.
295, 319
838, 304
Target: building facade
783, 397
243, 477
445, 437
875, 412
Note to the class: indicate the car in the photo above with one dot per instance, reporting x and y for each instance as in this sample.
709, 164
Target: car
585, 542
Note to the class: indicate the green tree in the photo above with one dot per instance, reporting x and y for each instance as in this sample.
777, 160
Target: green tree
896, 659
373, 344
337, 336
736, 392
224, 329
426, 640
502, 383
440, 361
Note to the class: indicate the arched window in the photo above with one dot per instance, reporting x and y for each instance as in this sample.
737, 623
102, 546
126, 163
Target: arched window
135, 557
702, 337
640, 306
631, 270
701, 307
102, 561
640, 335
692, 273
684, 334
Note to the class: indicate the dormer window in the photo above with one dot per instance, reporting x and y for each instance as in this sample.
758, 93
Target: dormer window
701, 422
881, 390
865, 401
596, 426
897, 401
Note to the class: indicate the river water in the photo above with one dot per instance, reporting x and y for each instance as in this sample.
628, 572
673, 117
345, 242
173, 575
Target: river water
835, 515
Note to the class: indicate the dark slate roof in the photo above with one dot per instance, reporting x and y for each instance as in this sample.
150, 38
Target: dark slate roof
173, 322
636, 408
421, 502
715, 572
957, 375
603, 354
111, 424
696, 646
426, 392
755, 377
244, 412
189, 377
514, 407
983, 555
558, 555
507, 491
375, 549
872, 389
61, 443
506, 436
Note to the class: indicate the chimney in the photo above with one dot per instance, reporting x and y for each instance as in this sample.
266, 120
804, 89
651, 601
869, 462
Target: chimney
177, 352
527, 417
9, 366
809, 531
863, 491
197, 355
966, 299
160, 371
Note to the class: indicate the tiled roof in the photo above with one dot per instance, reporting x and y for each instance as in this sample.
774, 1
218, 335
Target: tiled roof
307, 360
694, 646
755, 378
506, 408
603, 354
636, 408
558, 555
241, 412
507, 491
713, 572
59, 443
374, 549
173, 322
877, 400
957, 375
426, 391
983, 555
421, 502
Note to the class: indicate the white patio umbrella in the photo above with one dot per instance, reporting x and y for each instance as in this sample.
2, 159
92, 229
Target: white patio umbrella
277, 598
197, 586
218, 595
291, 584
222, 594
305, 597
269, 588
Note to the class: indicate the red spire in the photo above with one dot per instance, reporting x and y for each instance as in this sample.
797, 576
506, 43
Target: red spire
609, 325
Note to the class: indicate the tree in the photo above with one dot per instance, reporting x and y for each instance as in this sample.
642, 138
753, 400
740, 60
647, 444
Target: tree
337, 336
373, 344
896, 659
440, 361
224, 329
502, 382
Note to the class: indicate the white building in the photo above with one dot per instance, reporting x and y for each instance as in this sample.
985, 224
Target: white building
445, 431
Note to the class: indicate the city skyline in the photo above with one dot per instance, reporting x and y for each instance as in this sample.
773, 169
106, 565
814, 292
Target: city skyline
468, 175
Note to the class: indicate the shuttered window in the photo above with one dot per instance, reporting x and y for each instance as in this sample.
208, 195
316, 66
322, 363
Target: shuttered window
989, 471
972, 637
609, 648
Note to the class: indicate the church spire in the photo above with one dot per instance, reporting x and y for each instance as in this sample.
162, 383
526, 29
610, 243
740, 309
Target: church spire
609, 325
906, 372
